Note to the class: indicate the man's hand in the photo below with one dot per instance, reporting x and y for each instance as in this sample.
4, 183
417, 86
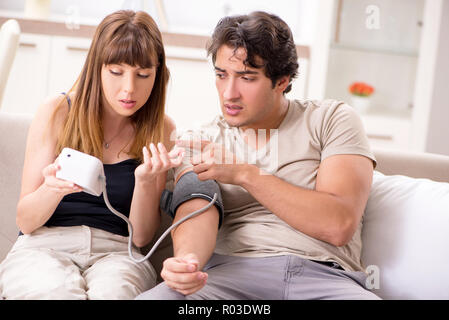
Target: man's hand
182, 274
213, 161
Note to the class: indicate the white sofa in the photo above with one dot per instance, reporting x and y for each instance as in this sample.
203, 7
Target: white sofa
405, 228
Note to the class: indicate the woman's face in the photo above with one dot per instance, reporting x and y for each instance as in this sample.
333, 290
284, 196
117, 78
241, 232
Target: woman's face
126, 88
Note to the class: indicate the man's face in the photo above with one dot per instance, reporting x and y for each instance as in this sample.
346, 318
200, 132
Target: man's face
246, 94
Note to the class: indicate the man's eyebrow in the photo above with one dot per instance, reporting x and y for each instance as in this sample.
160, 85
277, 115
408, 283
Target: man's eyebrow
238, 72
219, 69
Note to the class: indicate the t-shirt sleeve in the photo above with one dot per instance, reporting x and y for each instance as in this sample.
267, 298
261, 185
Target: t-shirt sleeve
343, 133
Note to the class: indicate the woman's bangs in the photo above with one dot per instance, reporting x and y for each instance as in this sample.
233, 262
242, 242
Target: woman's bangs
132, 49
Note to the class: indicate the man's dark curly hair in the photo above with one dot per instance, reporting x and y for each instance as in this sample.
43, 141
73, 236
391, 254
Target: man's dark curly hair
262, 35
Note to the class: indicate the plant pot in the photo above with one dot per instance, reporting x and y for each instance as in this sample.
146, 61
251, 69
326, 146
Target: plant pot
361, 104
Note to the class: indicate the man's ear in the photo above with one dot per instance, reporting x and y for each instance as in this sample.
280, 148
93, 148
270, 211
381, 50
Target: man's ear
282, 83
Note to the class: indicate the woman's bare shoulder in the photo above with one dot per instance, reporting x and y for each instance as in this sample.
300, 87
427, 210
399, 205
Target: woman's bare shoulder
50, 116
55, 104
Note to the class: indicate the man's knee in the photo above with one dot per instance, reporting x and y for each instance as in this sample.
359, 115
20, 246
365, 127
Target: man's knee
113, 291
161, 292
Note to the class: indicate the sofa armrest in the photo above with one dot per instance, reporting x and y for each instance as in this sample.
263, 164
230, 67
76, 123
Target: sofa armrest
413, 164
13, 134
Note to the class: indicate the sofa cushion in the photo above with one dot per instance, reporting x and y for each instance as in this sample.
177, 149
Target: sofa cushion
406, 235
13, 133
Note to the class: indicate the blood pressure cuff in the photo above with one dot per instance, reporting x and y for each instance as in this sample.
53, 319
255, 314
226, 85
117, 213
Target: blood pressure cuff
190, 187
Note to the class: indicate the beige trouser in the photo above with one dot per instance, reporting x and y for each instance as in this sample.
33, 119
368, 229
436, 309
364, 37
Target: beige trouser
73, 263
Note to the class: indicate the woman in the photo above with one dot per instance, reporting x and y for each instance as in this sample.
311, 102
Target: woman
72, 246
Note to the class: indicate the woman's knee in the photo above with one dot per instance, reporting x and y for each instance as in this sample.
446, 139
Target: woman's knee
40, 274
117, 277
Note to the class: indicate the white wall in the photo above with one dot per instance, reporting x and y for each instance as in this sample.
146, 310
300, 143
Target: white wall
191, 96
438, 133
431, 130
319, 52
190, 16
201, 16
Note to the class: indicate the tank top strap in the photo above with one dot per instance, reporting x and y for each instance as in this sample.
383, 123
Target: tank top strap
69, 102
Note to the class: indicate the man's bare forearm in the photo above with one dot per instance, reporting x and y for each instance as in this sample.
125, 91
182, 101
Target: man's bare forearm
196, 235
332, 211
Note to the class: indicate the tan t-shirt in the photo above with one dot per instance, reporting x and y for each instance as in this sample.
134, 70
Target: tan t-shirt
310, 132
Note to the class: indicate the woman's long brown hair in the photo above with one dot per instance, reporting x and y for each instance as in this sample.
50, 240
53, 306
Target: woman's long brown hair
126, 37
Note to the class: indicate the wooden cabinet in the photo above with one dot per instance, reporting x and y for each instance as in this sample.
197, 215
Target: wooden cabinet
27, 83
66, 61
44, 65
387, 132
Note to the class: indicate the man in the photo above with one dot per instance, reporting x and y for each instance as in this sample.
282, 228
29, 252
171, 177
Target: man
294, 187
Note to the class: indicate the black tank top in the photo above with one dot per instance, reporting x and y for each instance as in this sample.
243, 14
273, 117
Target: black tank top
84, 209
